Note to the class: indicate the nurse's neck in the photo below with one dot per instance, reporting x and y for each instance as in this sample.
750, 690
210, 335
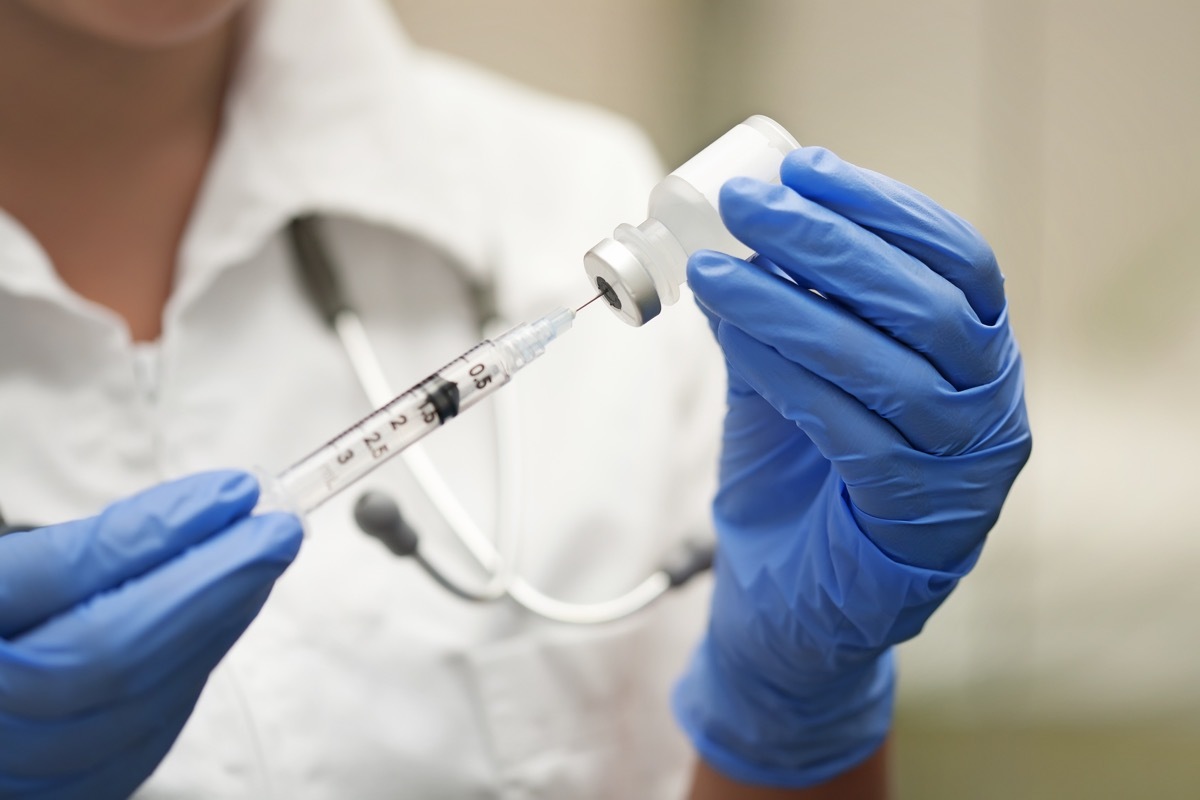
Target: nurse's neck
103, 148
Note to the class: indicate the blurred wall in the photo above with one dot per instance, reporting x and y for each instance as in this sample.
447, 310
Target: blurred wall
1067, 130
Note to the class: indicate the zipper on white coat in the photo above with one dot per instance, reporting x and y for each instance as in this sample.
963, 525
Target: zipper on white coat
146, 370
147, 382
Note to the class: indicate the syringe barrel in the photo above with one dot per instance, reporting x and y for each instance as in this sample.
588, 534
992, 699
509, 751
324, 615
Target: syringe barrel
413, 415
349, 456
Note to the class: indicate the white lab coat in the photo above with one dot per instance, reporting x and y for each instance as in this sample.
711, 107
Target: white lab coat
361, 678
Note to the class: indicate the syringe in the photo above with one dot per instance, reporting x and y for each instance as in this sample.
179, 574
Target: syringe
422, 409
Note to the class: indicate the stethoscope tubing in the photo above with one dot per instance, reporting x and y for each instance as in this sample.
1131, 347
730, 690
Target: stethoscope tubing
497, 559
502, 580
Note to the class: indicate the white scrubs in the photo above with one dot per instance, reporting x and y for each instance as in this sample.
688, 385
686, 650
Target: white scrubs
362, 678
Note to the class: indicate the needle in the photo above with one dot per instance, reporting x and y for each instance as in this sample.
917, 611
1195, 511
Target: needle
589, 302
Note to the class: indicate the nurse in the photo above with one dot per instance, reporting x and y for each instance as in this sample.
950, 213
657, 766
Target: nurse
152, 153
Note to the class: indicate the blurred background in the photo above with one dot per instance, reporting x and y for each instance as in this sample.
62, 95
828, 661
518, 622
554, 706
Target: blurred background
1068, 665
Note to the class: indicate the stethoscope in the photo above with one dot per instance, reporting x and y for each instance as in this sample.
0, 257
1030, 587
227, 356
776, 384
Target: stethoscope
377, 514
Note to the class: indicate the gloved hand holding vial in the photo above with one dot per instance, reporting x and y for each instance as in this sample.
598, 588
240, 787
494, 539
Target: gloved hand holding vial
875, 423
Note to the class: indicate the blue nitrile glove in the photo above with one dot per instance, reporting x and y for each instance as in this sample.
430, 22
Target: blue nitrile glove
109, 627
872, 434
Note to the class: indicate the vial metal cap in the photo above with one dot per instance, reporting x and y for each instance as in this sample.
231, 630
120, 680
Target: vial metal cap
617, 272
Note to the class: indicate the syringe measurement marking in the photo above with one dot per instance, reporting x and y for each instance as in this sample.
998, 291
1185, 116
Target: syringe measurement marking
475, 371
442, 401
344, 448
422, 409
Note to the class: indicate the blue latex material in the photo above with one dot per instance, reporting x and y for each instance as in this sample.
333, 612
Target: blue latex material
110, 626
872, 434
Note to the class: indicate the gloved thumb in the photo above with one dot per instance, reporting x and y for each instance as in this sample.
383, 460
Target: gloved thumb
46, 571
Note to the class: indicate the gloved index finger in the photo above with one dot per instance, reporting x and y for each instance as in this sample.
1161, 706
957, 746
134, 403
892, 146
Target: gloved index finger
886, 287
46, 571
904, 218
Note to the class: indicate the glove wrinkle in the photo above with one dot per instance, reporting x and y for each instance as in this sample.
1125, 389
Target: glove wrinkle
49, 570
903, 218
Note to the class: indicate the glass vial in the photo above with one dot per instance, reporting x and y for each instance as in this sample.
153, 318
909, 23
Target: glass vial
640, 269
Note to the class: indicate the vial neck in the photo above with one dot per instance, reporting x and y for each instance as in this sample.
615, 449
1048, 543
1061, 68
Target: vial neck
663, 257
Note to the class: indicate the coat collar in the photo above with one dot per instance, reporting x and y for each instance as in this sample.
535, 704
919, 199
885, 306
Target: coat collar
328, 114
